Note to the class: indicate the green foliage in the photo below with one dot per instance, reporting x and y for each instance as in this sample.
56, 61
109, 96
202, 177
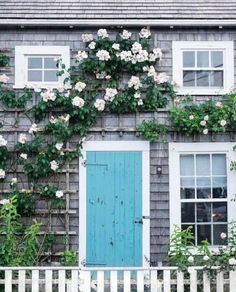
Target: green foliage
152, 130
4, 157
17, 249
4, 60
69, 258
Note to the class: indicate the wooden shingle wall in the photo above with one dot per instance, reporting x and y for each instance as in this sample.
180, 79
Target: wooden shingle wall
65, 222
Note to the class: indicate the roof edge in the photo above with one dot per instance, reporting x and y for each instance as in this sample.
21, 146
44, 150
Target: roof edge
119, 22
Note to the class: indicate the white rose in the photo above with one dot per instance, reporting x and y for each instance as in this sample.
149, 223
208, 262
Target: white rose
2, 173
190, 259
103, 55
4, 201
206, 118
23, 156
48, 95
59, 194
142, 56
125, 35
145, 33
33, 128
161, 78
54, 165
116, 46
219, 104
80, 86
232, 262
100, 104
58, 146
81, 55
203, 123
110, 93
191, 117
102, 33
151, 72
206, 258
137, 95
53, 120
22, 138
157, 52
223, 235
65, 118
136, 47
4, 78
101, 75
134, 82
87, 37
126, 56
3, 142
92, 45
223, 123
13, 181
205, 131
78, 101
140, 102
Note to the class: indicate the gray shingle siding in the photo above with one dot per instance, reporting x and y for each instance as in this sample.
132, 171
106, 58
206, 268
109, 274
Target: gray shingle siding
159, 185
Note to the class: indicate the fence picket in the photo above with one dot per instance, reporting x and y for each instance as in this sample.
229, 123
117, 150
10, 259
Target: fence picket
166, 279
153, 281
48, 280
113, 278
206, 282
100, 280
35, 280
220, 282
193, 280
8, 281
232, 281
140, 283
126, 281
85, 281
180, 282
61, 281
74, 281
21, 281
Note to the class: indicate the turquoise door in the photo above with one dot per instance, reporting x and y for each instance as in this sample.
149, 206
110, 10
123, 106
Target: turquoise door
114, 208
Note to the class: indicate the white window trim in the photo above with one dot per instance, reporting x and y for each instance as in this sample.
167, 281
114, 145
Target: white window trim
175, 149
21, 52
228, 57
116, 146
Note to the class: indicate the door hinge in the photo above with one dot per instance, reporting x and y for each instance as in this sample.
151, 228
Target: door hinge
84, 163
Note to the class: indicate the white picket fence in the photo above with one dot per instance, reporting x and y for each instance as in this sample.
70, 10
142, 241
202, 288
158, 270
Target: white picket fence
72, 279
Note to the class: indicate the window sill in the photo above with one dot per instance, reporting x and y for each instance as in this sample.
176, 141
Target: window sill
201, 91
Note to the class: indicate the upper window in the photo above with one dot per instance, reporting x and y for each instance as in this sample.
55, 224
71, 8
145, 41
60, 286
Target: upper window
201, 189
203, 67
37, 65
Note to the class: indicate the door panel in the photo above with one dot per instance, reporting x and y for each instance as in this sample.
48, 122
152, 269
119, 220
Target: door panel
113, 205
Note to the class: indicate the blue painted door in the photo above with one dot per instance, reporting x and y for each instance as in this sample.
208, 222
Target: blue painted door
114, 208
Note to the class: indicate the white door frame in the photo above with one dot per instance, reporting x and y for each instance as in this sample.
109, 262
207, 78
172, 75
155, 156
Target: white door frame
116, 146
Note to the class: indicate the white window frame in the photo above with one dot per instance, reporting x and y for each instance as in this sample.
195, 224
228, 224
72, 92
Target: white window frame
116, 146
21, 61
175, 150
228, 66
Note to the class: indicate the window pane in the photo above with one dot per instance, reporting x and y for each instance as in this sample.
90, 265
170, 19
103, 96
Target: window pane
219, 186
203, 164
218, 164
187, 212
50, 75
216, 59
188, 59
203, 78
185, 226
204, 187
217, 78
187, 188
202, 59
203, 212
217, 230
203, 233
189, 78
219, 212
187, 165
35, 75
34, 62
49, 63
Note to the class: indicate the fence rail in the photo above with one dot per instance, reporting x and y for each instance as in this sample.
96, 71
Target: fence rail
73, 279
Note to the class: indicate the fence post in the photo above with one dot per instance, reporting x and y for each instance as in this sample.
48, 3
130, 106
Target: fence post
126, 281
180, 281
100, 280
166, 279
220, 282
206, 282
48, 280
8, 281
193, 279
232, 280
21, 281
